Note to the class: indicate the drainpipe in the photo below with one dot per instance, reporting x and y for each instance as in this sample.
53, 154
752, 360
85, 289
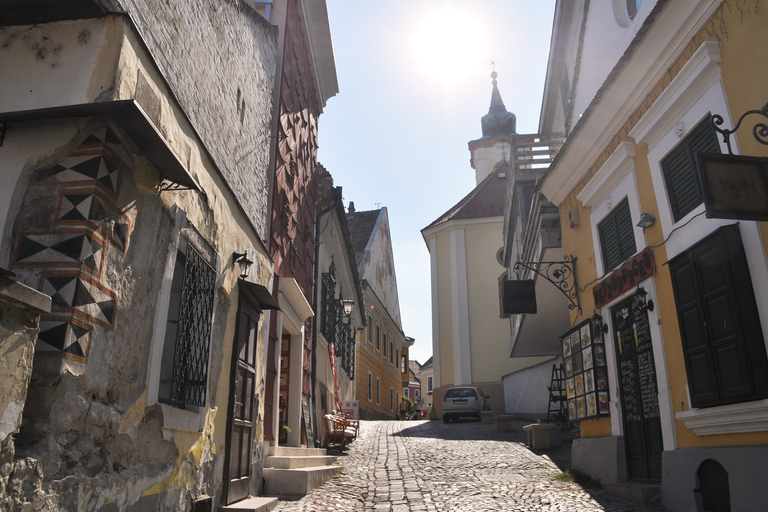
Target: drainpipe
313, 360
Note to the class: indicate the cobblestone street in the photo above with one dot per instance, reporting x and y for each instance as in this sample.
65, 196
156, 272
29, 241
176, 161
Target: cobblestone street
402, 466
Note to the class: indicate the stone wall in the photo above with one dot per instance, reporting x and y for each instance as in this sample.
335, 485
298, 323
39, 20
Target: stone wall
219, 59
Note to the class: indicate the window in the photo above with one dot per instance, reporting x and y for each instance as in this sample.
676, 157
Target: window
723, 345
404, 364
405, 393
679, 168
391, 352
391, 399
378, 338
397, 354
429, 384
384, 347
617, 236
370, 329
370, 387
378, 391
184, 363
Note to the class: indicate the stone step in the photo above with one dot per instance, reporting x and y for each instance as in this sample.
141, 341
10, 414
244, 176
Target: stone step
290, 451
281, 462
292, 484
644, 494
251, 505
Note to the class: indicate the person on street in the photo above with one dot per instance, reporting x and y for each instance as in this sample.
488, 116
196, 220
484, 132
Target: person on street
403, 408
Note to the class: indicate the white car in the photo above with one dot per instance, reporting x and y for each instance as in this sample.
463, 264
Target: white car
464, 401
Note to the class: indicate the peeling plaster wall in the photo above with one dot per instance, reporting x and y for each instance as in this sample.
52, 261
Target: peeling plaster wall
92, 437
230, 51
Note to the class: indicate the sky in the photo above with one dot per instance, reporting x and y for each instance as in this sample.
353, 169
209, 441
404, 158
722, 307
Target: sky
414, 81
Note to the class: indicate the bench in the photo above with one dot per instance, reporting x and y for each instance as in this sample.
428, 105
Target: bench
339, 432
538, 435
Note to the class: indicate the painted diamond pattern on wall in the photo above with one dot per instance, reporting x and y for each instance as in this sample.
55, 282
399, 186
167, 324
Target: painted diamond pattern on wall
82, 297
95, 212
64, 249
65, 336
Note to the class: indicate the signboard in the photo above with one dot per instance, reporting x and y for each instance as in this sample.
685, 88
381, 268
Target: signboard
351, 407
586, 372
734, 186
519, 296
638, 268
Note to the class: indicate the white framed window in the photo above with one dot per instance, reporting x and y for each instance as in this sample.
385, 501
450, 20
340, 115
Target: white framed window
429, 384
370, 387
378, 391
391, 399
384, 347
370, 330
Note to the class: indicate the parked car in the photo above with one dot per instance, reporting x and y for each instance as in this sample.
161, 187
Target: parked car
464, 401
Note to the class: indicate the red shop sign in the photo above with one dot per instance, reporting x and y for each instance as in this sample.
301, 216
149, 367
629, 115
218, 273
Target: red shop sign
638, 268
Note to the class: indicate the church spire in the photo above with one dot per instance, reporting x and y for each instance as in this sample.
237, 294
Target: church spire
497, 121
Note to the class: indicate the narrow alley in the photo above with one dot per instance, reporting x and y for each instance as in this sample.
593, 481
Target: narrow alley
397, 466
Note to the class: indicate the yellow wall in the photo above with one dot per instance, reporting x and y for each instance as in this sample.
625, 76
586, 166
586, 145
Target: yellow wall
744, 39
445, 308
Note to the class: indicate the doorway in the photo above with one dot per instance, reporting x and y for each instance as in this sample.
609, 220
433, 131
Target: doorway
638, 389
241, 424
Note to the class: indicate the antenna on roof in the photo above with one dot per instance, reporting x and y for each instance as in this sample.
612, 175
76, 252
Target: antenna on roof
378, 206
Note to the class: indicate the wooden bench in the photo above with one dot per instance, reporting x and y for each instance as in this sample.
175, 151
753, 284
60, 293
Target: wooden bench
339, 432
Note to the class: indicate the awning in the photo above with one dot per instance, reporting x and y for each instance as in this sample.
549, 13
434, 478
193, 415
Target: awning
259, 293
130, 117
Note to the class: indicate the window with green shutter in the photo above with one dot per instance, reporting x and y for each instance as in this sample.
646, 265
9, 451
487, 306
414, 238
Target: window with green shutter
679, 169
722, 339
617, 236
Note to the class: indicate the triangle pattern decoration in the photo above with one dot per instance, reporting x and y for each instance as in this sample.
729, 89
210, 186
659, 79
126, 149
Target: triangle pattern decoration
66, 337
57, 249
95, 212
75, 207
82, 297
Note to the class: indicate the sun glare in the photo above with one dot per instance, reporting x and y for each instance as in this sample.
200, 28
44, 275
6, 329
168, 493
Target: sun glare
450, 45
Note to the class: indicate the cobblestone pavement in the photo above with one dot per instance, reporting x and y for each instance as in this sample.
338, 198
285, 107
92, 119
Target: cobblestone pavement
399, 466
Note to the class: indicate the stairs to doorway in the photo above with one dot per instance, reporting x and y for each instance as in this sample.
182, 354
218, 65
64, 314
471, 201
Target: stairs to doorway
291, 473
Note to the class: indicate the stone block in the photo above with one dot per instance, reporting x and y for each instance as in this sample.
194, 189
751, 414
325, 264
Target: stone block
504, 422
538, 435
486, 417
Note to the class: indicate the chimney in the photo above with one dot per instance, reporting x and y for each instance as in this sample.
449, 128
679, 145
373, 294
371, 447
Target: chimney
351, 209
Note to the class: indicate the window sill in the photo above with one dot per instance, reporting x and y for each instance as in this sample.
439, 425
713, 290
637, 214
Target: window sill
727, 419
182, 419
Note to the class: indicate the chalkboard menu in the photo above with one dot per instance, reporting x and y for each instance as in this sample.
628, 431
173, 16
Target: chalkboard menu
586, 375
637, 372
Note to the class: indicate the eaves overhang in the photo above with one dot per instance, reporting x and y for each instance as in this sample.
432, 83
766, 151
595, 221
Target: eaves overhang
133, 120
32, 12
317, 29
665, 33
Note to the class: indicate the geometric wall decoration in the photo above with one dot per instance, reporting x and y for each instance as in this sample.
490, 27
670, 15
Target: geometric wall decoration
66, 232
81, 297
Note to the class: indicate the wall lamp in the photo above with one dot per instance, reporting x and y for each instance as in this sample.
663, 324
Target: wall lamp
243, 262
646, 220
348, 306
645, 302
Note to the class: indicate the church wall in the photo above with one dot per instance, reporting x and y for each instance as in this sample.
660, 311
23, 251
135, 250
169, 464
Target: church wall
445, 307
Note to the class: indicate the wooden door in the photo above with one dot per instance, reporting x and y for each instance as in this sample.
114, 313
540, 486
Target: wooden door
241, 416
269, 393
638, 389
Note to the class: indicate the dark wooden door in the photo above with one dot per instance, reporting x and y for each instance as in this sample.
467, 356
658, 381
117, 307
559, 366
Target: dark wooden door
269, 392
241, 413
638, 389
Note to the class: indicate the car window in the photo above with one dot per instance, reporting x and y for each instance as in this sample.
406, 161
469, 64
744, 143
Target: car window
460, 393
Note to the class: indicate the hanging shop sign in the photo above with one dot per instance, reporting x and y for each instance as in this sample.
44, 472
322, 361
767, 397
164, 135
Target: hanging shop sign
586, 372
636, 269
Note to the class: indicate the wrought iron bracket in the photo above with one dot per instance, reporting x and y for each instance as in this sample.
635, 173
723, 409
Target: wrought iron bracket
167, 185
562, 274
760, 130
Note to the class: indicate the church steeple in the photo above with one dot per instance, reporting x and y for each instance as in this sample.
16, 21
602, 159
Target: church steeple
497, 121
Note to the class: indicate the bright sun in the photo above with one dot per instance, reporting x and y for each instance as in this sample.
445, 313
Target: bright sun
450, 45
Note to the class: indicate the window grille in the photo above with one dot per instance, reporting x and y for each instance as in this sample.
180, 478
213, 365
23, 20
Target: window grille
329, 306
190, 363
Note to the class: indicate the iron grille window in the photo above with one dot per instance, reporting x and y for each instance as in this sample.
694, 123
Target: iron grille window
617, 236
679, 169
189, 374
719, 321
329, 305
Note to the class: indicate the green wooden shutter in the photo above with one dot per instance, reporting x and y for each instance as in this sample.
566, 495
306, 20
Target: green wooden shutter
722, 340
679, 168
617, 236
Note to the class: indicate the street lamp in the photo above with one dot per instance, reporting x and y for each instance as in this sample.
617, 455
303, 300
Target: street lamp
243, 262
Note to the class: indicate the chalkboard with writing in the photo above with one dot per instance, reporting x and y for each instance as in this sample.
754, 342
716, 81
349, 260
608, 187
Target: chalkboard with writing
585, 370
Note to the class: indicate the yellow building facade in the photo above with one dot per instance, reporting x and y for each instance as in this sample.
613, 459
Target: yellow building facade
678, 298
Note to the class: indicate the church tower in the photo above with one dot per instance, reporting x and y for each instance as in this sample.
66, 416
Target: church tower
492, 150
